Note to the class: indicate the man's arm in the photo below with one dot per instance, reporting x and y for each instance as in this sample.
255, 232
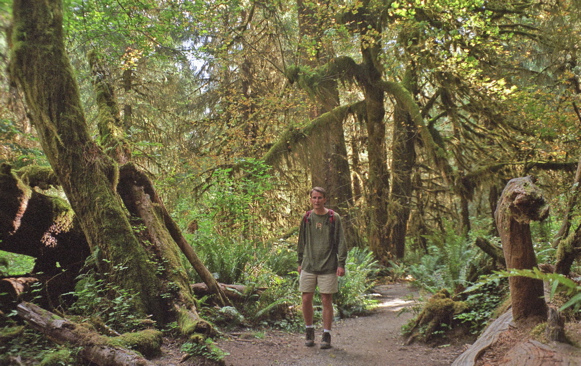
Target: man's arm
301, 245
342, 247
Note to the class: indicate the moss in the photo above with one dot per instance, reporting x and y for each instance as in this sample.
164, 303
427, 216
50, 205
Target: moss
186, 322
60, 357
8, 333
190, 324
438, 312
38, 176
147, 342
538, 332
566, 247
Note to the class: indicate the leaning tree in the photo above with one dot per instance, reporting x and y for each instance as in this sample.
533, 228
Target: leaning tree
128, 230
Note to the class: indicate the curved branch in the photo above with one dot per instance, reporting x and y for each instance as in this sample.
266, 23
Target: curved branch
294, 137
436, 152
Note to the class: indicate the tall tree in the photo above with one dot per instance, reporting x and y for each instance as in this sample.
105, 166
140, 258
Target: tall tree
327, 159
89, 178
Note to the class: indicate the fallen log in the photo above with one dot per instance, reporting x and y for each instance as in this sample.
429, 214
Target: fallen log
490, 335
13, 288
233, 292
534, 353
94, 347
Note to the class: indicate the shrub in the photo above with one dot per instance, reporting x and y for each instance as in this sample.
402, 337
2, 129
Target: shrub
354, 288
446, 263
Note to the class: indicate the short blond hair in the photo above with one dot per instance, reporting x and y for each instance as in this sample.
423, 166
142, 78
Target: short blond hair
320, 190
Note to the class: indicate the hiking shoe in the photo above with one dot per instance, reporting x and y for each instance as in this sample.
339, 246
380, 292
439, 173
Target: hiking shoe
326, 342
310, 337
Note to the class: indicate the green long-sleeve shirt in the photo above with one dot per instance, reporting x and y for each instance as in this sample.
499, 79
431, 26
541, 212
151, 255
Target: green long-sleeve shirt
317, 253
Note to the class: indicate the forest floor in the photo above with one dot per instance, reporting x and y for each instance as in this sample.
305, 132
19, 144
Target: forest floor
371, 340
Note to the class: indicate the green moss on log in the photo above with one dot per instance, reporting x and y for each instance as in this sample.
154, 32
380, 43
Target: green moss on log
147, 342
438, 311
57, 358
38, 176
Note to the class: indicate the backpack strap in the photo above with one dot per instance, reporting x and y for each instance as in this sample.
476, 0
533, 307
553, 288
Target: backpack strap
307, 216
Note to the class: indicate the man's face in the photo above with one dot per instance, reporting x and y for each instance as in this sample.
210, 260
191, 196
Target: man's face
317, 200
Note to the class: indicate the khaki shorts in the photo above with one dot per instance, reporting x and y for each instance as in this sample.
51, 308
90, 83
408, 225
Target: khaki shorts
328, 283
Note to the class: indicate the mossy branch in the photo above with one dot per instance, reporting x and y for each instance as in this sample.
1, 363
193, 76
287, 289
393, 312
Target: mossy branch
294, 138
436, 151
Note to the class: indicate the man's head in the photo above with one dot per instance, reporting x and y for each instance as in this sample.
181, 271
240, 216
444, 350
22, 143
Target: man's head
320, 190
318, 199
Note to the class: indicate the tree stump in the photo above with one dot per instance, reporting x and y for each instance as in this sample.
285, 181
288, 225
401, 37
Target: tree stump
520, 203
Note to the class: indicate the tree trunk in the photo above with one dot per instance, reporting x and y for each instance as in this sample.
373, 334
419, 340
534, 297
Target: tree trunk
328, 161
40, 67
149, 208
378, 183
520, 202
40, 226
568, 243
403, 162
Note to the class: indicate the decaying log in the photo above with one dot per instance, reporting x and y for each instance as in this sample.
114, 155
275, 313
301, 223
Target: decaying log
490, 335
15, 287
12, 289
440, 309
39, 225
521, 202
534, 353
233, 292
94, 347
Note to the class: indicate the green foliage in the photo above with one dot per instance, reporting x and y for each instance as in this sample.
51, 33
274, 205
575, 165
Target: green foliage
106, 302
32, 347
354, 288
482, 301
206, 349
12, 264
447, 262
277, 305
557, 283
61, 357
236, 198
226, 259
21, 149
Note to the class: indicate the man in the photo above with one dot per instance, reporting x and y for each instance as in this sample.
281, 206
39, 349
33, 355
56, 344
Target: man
322, 252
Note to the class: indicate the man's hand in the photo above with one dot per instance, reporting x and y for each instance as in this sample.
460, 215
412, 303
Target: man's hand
340, 271
299, 269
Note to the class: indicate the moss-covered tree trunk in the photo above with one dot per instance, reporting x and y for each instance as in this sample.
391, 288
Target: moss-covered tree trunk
40, 67
328, 161
520, 202
378, 183
569, 243
403, 162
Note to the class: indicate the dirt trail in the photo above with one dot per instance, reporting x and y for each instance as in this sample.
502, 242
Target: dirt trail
372, 340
